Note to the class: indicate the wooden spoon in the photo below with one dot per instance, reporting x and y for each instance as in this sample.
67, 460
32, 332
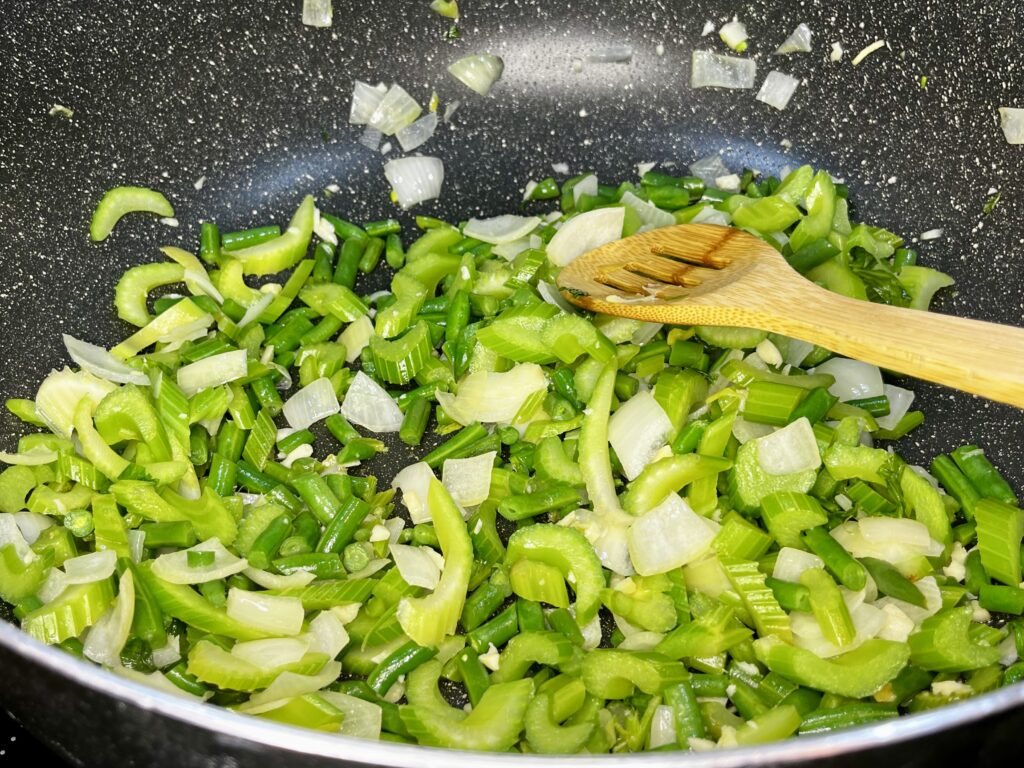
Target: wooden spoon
703, 274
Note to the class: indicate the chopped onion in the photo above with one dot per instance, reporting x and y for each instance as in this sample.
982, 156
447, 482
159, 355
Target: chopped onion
651, 215
395, 111
560, 168
417, 565
53, 585
61, 392
469, 480
323, 229
31, 525
510, 250
414, 482
745, 431
417, 133
311, 404
898, 626
663, 727
777, 89
213, 371
867, 621
899, 531
273, 614
793, 448
196, 277
550, 293
608, 534
611, 54
501, 229
711, 215
791, 562
932, 234
478, 72
317, 13
854, 380
712, 70
415, 179
327, 634
645, 332
637, 430
355, 338
10, 533
734, 34
797, 351
108, 635
837, 52
932, 597
867, 51
269, 580
174, 568
900, 400
642, 169
256, 308
1011, 120
370, 138
94, 566
362, 718
369, 405
729, 183
641, 641
669, 536
799, 41
585, 232
585, 186
709, 27
99, 362
371, 568
709, 168
167, 654
909, 541
287, 686
491, 397
36, 456
271, 653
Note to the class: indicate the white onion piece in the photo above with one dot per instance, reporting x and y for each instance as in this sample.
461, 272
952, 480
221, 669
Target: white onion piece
729, 183
867, 621
273, 614
167, 654
365, 100
98, 361
213, 371
709, 168
269, 580
712, 70
414, 482
395, 111
710, 215
53, 585
417, 133
554, 297
362, 718
355, 337
797, 352
645, 332
34, 457
854, 380
317, 13
501, 229
669, 536
91, 567
311, 404
663, 727
415, 179
370, 138
745, 431
196, 277
368, 405
585, 186
777, 89
932, 597
932, 234
585, 232
637, 430
323, 229
416, 565
272, 653
611, 54
734, 34
608, 534
256, 308
10, 533
643, 169
895, 544
793, 448
327, 634
31, 525
108, 635
287, 686
469, 480
1011, 120
479, 72
898, 626
61, 392
371, 568
651, 215
510, 250
900, 400
490, 397
174, 568
791, 563
799, 41
641, 641
899, 531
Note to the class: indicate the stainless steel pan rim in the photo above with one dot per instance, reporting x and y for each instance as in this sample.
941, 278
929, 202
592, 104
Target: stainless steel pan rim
233, 726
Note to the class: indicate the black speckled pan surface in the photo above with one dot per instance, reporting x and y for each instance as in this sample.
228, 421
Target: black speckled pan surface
242, 94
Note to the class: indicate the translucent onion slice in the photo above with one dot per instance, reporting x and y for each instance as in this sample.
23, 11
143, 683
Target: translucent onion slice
792, 448
355, 337
414, 482
501, 229
854, 380
196, 277
478, 72
94, 566
669, 536
490, 397
651, 215
418, 565
274, 614
362, 718
395, 111
712, 70
99, 362
368, 405
213, 371
173, 567
799, 41
271, 653
637, 430
584, 232
415, 179
1011, 120
365, 100
311, 404
108, 635
417, 133
469, 480
777, 89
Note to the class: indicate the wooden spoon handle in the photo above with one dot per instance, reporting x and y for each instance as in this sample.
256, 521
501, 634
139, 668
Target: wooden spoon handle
971, 355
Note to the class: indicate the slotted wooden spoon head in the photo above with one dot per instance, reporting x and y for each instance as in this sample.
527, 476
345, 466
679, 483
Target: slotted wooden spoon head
688, 274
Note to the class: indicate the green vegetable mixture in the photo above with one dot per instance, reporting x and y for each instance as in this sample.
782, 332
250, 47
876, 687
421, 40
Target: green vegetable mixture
631, 537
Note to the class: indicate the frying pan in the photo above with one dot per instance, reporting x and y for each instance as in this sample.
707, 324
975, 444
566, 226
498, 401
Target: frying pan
245, 96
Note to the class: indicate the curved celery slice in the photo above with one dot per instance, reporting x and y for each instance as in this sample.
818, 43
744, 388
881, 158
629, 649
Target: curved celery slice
77, 607
182, 602
321, 595
669, 475
942, 644
493, 725
133, 289
122, 200
612, 674
94, 448
231, 283
281, 252
546, 736
212, 664
523, 650
709, 635
15, 485
925, 503
127, 413
856, 674
398, 361
427, 620
19, 580
569, 551
335, 300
